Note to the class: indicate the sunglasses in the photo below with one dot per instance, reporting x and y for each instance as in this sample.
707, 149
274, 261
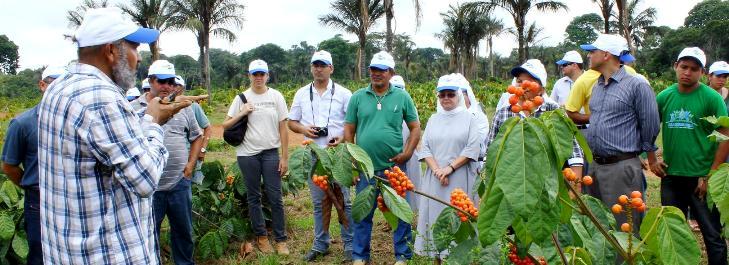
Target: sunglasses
169, 81
447, 95
565, 65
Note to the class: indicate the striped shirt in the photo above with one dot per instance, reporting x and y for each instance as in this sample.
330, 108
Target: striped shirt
99, 164
505, 113
624, 116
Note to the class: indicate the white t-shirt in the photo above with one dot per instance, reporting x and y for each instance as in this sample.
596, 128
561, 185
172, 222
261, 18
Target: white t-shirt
561, 90
327, 106
262, 134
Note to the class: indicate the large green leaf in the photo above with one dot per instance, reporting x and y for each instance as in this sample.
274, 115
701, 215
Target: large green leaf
362, 158
577, 256
9, 193
722, 121
495, 216
465, 231
397, 205
601, 212
444, 228
363, 203
544, 219
214, 173
719, 183
566, 205
586, 151
496, 150
323, 160
666, 233
20, 245
391, 219
300, 163
716, 136
211, 245
600, 249
522, 232
7, 226
463, 252
560, 133
342, 166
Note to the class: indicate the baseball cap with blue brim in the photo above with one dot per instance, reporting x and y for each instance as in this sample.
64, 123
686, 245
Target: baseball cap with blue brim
383, 61
570, 57
106, 25
448, 82
162, 69
257, 66
322, 56
145, 84
53, 72
397, 81
133, 93
612, 44
693, 53
179, 81
533, 67
719, 68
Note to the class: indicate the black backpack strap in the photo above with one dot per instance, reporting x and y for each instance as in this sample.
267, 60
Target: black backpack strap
243, 98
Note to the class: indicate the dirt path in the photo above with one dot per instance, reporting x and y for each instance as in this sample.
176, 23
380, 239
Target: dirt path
294, 138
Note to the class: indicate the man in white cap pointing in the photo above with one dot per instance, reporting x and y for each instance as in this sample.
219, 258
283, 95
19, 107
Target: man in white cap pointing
99, 161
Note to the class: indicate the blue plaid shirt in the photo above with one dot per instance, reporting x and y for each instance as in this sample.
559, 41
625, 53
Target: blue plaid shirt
99, 164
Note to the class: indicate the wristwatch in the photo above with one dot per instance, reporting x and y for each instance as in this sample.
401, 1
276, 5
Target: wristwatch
203, 150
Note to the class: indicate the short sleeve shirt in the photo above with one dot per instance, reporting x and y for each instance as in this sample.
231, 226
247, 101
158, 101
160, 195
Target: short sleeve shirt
202, 119
263, 123
561, 90
379, 130
579, 97
325, 110
21, 145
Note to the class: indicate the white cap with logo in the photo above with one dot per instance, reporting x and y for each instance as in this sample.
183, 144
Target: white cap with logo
449, 82
322, 56
397, 81
614, 44
570, 57
719, 68
179, 81
693, 52
53, 72
106, 25
383, 61
257, 66
162, 69
533, 67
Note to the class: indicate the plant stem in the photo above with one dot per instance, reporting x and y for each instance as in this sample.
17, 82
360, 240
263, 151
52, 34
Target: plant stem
586, 211
433, 198
630, 236
559, 249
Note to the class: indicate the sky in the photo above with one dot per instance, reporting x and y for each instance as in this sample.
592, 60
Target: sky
38, 26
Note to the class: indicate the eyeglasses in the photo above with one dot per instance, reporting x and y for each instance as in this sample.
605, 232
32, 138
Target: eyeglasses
169, 81
446, 95
565, 65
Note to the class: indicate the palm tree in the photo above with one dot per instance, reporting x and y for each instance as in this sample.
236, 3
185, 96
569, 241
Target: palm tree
606, 9
637, 24
206, 18
518, 9
494, 28
464, 28
350, 16
390, 14
76, 16
150, 14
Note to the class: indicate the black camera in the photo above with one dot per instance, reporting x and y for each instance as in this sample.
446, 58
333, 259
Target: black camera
321, 131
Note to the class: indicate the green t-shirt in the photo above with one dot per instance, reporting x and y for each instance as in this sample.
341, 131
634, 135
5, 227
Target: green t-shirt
686, 149
379, 132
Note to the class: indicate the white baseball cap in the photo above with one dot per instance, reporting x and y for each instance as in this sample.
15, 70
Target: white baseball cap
383, 61
53, 72
449, 82
322, 56
257, 66
133, 92
533, 67
145, 84
614, 44
161, 69
463, 82
179, 81
719, 68
106, 25
693, 52
397, 81
570, 57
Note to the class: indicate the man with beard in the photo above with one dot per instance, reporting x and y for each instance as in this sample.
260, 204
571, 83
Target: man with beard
99, 161
173, 197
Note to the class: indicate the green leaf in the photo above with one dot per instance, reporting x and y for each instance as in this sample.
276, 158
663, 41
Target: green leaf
716, 136
561, 134
7, 226
668, 235
719, 183
214, 172
463, 252
522, 232
20, 245
10, 193
465, 231
496, 153
577, 256
323, 161
240, 186
211, 245
363, 203
566, 204
397, 205
227, 206
586, 151
300, 164
544, 219
601, 212
600, 250
342, 166
722, 121
444, 228
494, 217
362, 158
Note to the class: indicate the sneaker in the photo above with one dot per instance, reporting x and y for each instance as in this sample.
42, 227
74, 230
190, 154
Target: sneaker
359, 262
401, 262
263, 244
314, 255
282, 248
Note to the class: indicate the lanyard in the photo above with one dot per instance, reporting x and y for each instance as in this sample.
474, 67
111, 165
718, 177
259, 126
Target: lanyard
311, 99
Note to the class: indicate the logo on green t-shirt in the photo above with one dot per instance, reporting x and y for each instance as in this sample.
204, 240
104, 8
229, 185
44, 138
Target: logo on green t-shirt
681, 119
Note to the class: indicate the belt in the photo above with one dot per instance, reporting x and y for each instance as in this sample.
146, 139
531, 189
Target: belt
614, 159
581, 126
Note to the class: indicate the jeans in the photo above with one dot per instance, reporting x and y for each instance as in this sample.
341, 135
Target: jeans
321, 233
678, 191
31, 214
363, 229
253, 167
177, 205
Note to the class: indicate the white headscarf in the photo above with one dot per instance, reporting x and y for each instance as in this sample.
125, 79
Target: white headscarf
451, 80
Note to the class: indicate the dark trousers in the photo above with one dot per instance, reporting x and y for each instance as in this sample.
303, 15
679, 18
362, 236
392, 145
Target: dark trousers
177, 205
264, 164
678, 191
31, 214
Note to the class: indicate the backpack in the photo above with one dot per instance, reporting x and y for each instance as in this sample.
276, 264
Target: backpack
234, 135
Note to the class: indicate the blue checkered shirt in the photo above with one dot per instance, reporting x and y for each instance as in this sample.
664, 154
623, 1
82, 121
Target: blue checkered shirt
99, 164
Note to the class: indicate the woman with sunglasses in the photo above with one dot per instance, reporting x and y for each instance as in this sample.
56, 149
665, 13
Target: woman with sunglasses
258, 156
449, 145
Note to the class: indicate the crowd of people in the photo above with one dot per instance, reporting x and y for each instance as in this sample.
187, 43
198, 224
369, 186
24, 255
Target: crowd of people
103, 165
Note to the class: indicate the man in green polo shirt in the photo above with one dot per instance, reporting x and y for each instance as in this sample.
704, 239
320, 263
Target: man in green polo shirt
374, 117
688, 153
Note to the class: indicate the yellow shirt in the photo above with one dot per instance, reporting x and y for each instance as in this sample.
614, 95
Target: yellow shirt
582, 90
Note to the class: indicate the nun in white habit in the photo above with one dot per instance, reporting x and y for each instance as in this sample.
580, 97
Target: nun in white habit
449, 146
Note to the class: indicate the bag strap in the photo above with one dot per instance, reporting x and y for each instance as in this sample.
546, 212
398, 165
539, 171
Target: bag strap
243, 98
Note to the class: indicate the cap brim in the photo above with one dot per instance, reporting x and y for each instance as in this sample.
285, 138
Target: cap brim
163, 76
588, 47
380, 66
561, 62
452, 88
720, 72
52, 76
257, 71
143, 35
322, 61
627, 58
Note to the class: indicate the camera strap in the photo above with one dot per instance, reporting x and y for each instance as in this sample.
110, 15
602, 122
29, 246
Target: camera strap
311, 99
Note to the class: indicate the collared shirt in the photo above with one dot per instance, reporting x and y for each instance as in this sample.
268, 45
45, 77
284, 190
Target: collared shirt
505, 113
624, 116
561, 90
21, 145
99, 163
180, 131
310, 108
579, 98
